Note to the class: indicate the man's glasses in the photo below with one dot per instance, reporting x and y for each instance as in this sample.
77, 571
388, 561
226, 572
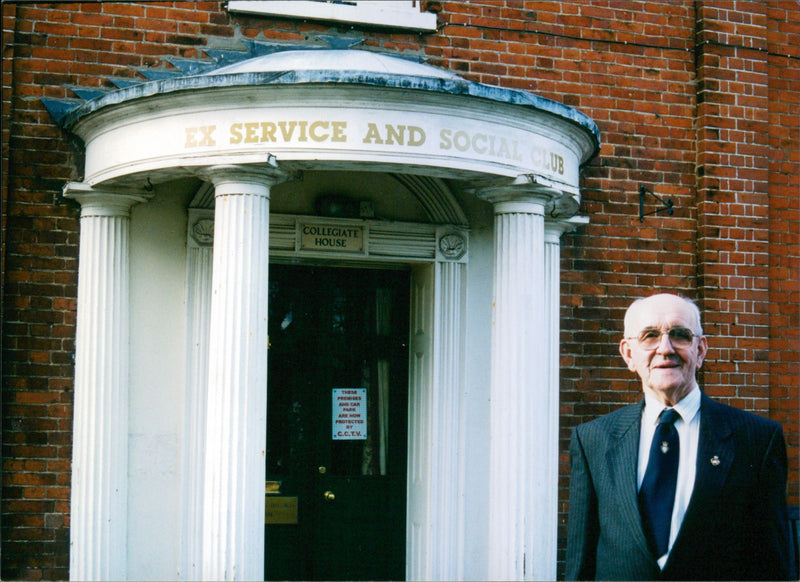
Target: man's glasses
650, 337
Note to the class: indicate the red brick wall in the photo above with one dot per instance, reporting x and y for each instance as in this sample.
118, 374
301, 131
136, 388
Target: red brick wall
698, 101
39, 254
783, 187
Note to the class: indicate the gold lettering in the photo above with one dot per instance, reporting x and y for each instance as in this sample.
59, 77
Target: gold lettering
250, 133
548, 161
479, 149
312, 130
303, 126
268, 130
338, 131
491, 145
236, 133
287, 129
416, 135
395, 134
461, 141
373, 135
485, 144
410, 135
445, 140
191, 137
503, 151
206, 137
556, 163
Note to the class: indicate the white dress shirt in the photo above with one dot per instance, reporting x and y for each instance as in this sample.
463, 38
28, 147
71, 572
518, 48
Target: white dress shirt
688, 427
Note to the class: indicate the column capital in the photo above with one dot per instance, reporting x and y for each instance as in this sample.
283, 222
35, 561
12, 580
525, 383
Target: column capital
553, 229
104, 201
244, 178
522, 188
514, 194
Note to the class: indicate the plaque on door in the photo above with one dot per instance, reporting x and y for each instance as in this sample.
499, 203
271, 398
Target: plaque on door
280, 509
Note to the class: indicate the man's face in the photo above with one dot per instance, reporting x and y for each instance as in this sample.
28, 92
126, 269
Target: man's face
667, 370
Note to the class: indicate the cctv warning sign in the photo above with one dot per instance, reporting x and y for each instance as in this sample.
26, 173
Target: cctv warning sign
349, 418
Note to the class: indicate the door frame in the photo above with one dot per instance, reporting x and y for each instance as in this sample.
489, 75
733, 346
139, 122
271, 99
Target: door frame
438, 256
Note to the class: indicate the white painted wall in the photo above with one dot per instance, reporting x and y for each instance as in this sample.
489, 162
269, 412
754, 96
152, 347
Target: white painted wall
158, 266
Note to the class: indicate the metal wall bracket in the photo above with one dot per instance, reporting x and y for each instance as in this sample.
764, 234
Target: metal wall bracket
665, 205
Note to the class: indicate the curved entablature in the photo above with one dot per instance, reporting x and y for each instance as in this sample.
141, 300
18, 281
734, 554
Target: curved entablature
332, 109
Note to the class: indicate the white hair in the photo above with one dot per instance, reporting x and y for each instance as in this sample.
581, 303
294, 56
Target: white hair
633, 307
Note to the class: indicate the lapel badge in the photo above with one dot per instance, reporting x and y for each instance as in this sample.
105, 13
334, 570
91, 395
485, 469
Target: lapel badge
715, 460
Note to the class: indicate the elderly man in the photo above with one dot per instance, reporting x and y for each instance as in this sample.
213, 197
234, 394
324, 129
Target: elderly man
678, 486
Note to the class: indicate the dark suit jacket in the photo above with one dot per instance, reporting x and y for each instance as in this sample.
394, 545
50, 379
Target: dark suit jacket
735, 527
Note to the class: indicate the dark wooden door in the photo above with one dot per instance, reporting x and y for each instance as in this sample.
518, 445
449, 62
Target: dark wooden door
337, 424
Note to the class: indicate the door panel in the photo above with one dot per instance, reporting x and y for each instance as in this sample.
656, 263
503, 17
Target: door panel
337, 329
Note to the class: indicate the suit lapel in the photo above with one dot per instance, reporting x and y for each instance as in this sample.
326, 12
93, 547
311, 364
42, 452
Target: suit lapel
623, 460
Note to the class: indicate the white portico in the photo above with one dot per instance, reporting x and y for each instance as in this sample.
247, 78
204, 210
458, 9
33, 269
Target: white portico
431, 154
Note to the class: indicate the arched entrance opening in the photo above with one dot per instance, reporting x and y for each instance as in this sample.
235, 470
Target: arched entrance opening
415, 235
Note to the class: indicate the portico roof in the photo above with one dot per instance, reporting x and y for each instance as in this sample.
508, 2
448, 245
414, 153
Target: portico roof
329, 66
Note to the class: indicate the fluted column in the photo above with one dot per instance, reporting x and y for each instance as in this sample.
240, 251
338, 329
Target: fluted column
436, 509
199, 262
236, 429
98, 522
546, 488
522, 525
446, 470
